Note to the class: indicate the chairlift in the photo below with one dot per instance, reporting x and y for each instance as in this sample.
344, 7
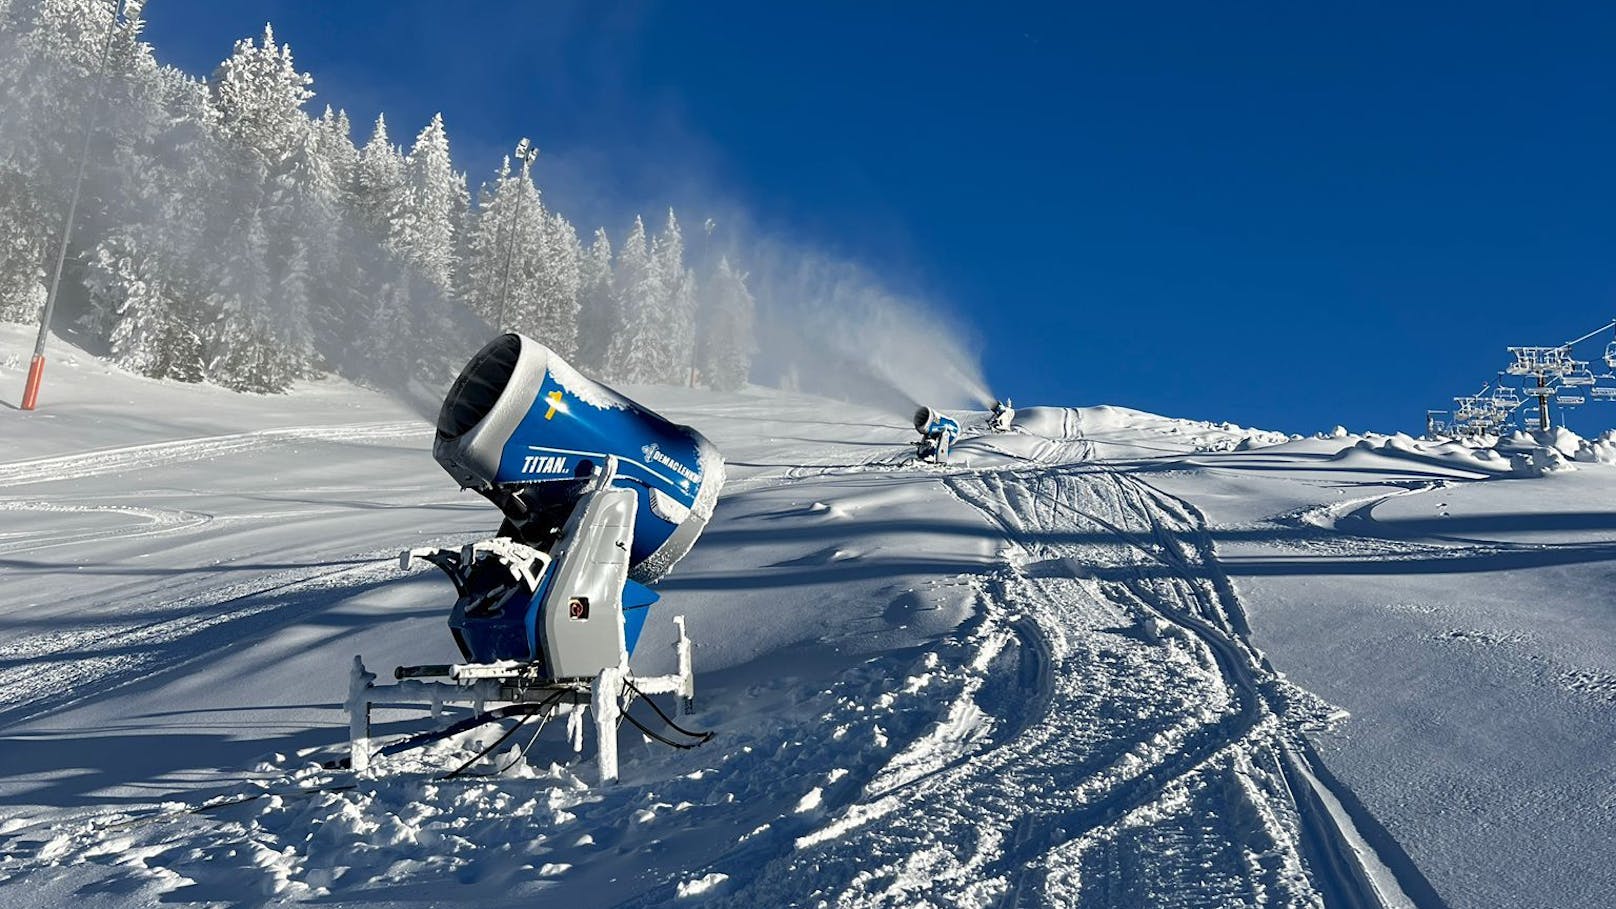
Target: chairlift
1569, 400
1610, 355
1539, 361
1506, 398
1579, 375
1605, 392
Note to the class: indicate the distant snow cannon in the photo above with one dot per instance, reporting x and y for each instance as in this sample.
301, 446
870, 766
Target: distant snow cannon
1003, 416
937, 435
601, 496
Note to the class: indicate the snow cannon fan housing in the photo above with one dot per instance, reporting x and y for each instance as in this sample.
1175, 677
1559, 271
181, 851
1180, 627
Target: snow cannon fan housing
526, 430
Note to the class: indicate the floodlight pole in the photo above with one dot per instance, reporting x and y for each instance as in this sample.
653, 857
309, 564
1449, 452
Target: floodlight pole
526, 154
36, 367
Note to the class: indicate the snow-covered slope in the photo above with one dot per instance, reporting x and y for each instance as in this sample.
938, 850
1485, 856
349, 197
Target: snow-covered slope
1110, 659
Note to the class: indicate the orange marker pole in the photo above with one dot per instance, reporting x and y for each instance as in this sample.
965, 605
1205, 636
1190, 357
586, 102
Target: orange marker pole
30, 392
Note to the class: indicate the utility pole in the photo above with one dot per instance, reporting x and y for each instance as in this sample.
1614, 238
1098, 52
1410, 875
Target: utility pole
36, 368
527, 154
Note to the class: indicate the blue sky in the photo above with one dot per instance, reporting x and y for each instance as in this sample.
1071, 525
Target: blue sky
1285, 215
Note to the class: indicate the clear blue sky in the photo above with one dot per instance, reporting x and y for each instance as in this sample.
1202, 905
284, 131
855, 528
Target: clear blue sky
1282, 214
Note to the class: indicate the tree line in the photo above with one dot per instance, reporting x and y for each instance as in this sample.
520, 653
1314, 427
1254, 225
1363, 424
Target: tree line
227, 235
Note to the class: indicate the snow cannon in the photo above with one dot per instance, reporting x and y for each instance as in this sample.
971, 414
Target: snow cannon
600, 496
1002, 416
937, 435
527, 431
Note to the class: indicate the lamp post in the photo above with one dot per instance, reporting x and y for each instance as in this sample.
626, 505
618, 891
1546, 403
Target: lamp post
527, 154
36, 367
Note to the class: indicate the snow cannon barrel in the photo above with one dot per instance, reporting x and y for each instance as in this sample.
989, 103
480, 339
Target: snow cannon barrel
924, 417
526, 430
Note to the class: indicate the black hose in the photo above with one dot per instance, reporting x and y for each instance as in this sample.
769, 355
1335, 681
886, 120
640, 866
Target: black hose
649, 733
528, 714
703, 736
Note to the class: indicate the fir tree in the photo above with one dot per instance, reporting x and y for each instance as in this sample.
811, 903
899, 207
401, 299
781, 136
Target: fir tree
260, 95
597, 304
380, 188
727, 341
558, 284
674, 308
636, 352
428, 239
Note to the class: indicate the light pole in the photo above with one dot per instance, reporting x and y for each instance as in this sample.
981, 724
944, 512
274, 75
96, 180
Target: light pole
36, 368
527, 153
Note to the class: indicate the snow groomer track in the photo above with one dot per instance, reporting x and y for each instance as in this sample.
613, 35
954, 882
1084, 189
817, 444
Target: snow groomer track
1122, 743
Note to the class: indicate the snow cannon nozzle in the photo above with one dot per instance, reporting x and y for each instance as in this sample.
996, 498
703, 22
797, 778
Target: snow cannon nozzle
528, 431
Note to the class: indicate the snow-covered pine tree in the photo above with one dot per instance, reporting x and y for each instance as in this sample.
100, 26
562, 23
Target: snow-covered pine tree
478, 287
519, 278
381, 188
502, 278
681, 317
23, 233
675, 306
302, 232
727, 340
636, 352
49, 56
137, 299
258, 94
597, 306
559, 278
428, 241
334, 141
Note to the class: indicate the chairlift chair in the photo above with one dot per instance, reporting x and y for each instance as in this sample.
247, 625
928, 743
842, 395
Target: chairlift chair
1580, 374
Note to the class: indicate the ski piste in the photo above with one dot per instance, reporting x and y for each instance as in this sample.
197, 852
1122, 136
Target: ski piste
1027, 676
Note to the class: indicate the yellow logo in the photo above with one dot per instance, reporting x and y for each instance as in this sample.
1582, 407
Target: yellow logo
555, 403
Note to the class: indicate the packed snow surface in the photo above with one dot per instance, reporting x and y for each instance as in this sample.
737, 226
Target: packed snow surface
1108, 658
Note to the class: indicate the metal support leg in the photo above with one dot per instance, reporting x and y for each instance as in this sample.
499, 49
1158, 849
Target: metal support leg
606, 708
687, 676
359, 685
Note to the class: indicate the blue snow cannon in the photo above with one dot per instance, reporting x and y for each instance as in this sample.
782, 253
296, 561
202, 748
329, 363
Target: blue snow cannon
937, 434
600, 497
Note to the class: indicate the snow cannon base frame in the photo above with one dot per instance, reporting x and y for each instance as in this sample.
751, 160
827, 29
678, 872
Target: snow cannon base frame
488, 686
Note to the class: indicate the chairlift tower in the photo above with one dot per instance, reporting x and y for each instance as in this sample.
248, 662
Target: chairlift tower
1549, 366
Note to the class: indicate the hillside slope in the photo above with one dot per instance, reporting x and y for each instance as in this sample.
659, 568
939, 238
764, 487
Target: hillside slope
1064, 669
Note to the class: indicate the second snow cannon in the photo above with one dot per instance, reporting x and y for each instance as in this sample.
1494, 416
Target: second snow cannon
1003, 416
937, 434
600, 497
